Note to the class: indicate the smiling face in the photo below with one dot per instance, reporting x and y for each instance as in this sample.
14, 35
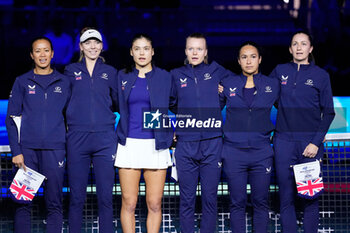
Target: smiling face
142, 53
249, 60
91, 48
42, 53
196, 50
301, 48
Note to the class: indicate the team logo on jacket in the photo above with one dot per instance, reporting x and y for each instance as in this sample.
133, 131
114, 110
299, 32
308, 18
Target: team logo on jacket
58, 89
77, 75
31, 89
104, 76
124, 84
207, 76
61, 164
233, 91
284, 80
268, 89
309, 82
268, 170
183, 82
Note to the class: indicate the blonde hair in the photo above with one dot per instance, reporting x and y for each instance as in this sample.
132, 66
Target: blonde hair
81, 56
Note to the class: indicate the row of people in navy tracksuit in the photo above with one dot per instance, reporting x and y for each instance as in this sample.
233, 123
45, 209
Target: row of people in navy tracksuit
303, 96
46, 102
93, 92
305, 112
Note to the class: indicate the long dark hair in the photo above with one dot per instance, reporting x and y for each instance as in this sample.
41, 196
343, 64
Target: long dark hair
136, 37
198, 35
311, 57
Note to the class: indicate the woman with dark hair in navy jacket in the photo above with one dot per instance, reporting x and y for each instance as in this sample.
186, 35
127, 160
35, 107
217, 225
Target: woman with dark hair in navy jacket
195, 100
247, 155
305, 112
144, 92
91, 134
39, 98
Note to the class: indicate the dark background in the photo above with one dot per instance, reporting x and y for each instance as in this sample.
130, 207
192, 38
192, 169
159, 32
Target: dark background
226, 24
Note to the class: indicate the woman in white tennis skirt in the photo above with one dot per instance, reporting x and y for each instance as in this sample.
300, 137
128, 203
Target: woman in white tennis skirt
143, 142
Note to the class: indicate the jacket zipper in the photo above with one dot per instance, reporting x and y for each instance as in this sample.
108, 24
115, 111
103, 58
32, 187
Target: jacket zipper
197, 97
44, 116
92, 100
295, 81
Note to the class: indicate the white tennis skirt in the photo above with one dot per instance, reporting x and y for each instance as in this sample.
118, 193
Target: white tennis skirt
141, 153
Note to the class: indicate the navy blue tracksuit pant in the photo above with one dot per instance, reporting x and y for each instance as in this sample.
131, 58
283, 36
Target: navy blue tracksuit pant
50, 163
82, 149
243, 165
198, 160
289, 153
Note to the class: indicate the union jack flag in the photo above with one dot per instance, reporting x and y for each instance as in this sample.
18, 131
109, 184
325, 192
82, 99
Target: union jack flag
310, 188
21, 192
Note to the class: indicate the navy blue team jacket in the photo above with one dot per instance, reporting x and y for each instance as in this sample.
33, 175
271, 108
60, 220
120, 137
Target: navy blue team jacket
249, 126
94, 99
305, 107
194, 96
159, 84
42, 109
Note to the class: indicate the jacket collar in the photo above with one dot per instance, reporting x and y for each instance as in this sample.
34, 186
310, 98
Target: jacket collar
302, 66
258, 81
82, 63
256, 77
135, 72
98, 61
199, 69
132, 76
54, 75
